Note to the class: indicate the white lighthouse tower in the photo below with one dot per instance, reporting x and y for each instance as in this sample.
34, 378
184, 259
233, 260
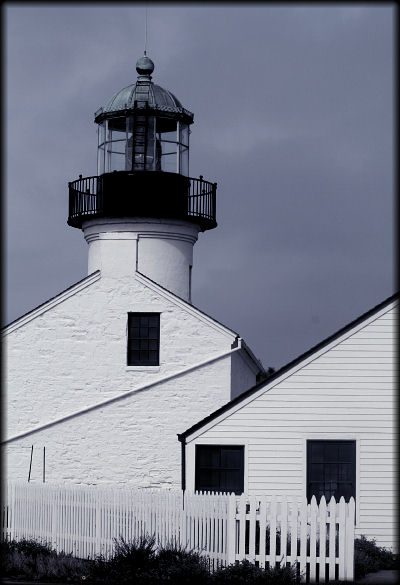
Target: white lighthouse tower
143, 212
121, 361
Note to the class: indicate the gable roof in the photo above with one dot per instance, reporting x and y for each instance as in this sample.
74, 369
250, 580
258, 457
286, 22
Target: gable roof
288, 367
179, 300
51, 302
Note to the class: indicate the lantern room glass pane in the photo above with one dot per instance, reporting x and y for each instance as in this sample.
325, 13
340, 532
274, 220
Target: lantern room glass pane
183, 160
184, 134
115, 140
101, 138
168, 141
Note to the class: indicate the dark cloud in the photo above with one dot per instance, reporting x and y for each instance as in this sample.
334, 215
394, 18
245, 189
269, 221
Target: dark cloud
293, 118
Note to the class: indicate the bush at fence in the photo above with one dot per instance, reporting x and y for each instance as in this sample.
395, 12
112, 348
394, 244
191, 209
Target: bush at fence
245, 572
29, 559
140, 562
369, 558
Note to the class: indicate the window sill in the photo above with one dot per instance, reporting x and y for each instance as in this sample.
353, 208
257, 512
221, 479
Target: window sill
154, 369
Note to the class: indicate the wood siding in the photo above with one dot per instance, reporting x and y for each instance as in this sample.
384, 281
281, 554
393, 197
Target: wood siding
344, 391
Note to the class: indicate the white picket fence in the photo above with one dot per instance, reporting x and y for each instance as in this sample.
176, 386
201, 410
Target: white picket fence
317, 539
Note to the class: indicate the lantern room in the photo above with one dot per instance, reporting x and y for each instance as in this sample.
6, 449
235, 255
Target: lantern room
143, 128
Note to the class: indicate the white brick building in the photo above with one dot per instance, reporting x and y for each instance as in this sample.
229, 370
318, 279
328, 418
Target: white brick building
101, 378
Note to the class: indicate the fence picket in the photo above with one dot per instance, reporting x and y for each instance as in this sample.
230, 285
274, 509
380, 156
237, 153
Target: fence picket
350, 522
230, 535
252, 529
263, 529
342, 535
242, 527
332, 538
272, 532
313, 539
303, 539
322, 539
284, 530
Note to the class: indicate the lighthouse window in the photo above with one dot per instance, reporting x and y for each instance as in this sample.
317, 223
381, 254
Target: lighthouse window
143, 339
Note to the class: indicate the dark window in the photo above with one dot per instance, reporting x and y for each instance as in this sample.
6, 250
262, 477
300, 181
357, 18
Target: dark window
331, 469
143, 339
219, 468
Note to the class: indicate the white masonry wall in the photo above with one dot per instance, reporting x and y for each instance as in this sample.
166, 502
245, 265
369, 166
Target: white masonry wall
346, 391
71, 353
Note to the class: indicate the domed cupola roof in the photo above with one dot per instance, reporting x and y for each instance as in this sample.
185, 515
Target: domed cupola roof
160, 100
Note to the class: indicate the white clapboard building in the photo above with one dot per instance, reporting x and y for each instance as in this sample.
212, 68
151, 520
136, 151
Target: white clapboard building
322, 425
102, 377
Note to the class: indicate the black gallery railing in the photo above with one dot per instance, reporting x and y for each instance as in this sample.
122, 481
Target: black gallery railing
143, 194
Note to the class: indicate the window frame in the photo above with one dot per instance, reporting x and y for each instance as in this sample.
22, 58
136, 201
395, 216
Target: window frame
131, 338
353, 462
237, 447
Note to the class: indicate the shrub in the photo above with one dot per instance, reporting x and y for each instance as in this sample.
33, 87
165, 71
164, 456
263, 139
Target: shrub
238, 574
175, 564
246, 573
28, 559
130, 563
369, 558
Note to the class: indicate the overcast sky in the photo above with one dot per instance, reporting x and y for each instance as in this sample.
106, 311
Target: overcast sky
293, 110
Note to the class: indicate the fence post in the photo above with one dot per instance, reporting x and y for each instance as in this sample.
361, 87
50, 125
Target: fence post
231, 530
349, 548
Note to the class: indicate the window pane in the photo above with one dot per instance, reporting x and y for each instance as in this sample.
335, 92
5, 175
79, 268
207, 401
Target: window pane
208, 456
230, 458
208, 480
331, 452
153, 333
331, 472
346, 452
345, 472
317, 452
317, 472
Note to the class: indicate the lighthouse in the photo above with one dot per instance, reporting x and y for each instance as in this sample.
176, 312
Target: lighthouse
143, 212
120, 361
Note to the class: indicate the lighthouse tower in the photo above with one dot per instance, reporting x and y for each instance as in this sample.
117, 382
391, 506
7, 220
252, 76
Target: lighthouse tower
143, 212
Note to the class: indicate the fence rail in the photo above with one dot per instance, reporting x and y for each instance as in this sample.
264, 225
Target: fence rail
317, 539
